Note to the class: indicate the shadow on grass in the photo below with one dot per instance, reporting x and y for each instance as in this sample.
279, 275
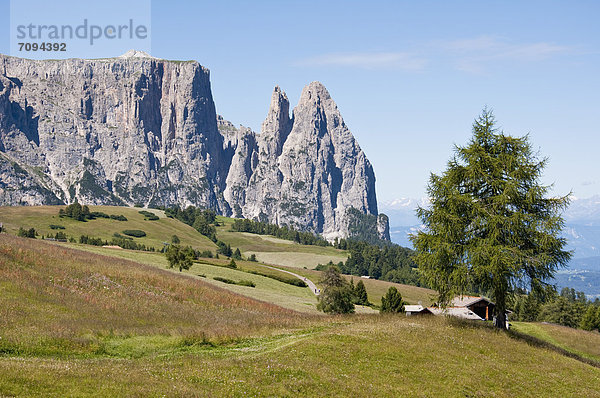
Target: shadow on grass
536, 342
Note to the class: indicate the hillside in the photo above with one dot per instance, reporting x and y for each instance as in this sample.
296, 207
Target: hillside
76, 323
268, 249
157, 232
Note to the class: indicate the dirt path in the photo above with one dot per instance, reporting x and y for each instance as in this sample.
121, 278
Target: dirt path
310, 284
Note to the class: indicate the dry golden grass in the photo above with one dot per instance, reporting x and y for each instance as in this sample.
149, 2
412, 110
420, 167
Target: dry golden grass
55, 299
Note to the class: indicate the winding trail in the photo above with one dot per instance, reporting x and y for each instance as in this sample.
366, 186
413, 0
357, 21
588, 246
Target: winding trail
310, 283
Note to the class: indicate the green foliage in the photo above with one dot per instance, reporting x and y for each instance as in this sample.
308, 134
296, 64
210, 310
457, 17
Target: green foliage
223, 248
75, 211
232, 282
148, 215
289, 280
179, 257
237, 254
284, 232
363, 227
392, 301
54, 226
82, 213
337, 296
27, 233
360, 294
591, 318
392, 263
137, 233
201, 220
232, 264
175, 240
489, 225
252, 258
205, 254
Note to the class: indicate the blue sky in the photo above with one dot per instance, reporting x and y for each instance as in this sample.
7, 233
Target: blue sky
408, 77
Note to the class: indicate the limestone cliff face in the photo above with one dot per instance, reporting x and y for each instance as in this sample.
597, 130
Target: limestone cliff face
134, 130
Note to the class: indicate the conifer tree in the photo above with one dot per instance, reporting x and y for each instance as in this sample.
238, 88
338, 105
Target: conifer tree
490, 224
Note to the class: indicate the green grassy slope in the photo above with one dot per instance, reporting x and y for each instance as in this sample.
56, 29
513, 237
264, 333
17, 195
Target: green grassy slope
74, 323
159, 231
579, 342
376, 288
267, 289
271, 250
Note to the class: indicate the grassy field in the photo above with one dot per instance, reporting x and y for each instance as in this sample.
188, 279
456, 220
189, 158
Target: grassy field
74, 323
159, 231
579, 342
376, 288
276, 251
267, 289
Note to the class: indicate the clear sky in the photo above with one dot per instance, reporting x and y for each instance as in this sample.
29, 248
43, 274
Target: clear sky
408, 77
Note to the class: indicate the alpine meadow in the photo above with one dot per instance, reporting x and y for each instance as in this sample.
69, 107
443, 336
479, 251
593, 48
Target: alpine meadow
170, 230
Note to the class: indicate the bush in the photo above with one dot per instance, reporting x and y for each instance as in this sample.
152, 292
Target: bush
54, 226
232, 282
175, 240
27, 233
205, 254
237, 254
119, 217
119, 236
135, 233
232, 264
252, 258
224, 280
148, 215
99, 214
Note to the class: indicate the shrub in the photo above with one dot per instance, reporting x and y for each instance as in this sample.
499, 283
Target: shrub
135, 233
119, 217
237, 254
54, 226
205, 254
252, 258
99, 214
246, 283
224, 280
175, 240
27, 233
148, 215
232, 264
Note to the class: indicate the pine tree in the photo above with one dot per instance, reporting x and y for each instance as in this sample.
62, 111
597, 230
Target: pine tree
392, 301
360, 292
490, 225
589, 320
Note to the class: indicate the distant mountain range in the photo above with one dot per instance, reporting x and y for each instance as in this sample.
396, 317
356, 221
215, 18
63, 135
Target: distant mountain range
141, 130
582, 231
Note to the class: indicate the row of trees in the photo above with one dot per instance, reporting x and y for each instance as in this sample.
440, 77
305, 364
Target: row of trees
569, 308
283, 232
339, 297
83, 213
391, 263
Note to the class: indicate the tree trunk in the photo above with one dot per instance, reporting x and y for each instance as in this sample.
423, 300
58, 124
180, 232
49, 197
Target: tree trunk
500, 318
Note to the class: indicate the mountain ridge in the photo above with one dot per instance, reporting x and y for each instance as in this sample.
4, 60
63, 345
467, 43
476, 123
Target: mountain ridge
140, 130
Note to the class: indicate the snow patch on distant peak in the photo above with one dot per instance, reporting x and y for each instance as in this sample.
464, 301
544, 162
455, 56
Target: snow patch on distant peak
136, 54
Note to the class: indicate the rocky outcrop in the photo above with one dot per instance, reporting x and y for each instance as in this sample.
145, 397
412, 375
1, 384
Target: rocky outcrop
137, 129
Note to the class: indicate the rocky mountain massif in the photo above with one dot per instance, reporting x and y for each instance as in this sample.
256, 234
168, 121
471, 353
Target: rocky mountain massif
140, 130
